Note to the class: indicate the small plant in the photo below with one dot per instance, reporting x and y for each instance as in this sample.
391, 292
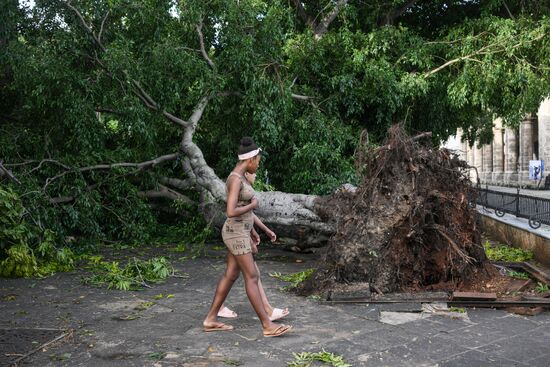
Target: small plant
144, 306
181, 247
136, 274
457, 309
305, 359
541, 287
156, 356
507, 253
161, 296
295, 278
232, 362
518, 274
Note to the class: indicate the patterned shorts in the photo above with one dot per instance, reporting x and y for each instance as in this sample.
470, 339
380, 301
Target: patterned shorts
236, 236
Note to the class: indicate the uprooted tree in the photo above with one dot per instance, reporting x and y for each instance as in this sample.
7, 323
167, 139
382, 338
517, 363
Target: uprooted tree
113, 111
409, 224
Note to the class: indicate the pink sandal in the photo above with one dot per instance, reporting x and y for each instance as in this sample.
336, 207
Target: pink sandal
227, 313
278, 314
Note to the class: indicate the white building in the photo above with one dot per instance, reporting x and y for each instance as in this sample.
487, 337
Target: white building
505, 161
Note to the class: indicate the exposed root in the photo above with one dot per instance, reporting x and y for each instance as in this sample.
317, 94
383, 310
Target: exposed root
408, 225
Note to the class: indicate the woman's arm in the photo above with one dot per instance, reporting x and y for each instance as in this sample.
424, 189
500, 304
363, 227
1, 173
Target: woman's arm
234, 186
272, 236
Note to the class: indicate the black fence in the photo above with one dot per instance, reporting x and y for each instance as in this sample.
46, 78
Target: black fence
536, 210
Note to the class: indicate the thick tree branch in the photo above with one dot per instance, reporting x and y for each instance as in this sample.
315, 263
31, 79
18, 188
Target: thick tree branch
139, 166
197, 167
186, 184
323, 25
166, 193
4, 172
203, 49
300, 97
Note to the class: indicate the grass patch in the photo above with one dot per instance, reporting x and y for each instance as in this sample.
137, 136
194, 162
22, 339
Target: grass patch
305, 359
506, 253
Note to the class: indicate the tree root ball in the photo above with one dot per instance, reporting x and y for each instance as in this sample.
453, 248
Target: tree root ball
409, 225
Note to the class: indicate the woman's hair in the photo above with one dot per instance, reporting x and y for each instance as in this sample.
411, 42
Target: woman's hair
247, 145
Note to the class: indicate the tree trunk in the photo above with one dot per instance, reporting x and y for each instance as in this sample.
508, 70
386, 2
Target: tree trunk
297, 219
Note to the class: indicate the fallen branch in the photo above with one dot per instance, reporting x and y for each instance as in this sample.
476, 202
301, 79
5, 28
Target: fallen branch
166, 193
4, 172
139, 166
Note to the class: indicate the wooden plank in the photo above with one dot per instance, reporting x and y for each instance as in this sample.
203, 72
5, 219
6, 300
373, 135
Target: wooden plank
525, 311
474, 296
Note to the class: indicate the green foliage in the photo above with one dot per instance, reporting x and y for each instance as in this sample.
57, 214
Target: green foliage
25, 250
541, 287
188, 236
68, 103
305, 359
518, 274
14, 230
507, 253
295, 278
133, 276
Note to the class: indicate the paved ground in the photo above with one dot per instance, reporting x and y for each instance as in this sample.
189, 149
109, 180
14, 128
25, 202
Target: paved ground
169, 333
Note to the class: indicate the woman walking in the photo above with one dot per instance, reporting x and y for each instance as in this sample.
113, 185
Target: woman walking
274, 313
236, 234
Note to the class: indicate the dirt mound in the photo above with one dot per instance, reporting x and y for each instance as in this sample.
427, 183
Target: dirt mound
408, 225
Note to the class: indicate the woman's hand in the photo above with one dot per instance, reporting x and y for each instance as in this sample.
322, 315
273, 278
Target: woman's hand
255, 237
272, 236
254, 203
254, 241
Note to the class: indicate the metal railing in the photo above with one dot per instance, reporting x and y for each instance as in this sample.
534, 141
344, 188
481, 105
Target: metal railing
536, 210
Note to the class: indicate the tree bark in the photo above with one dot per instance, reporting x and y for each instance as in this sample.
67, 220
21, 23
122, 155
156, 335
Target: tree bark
295, 218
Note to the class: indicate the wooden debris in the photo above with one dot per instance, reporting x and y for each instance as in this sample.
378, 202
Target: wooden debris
525, 311
474, 296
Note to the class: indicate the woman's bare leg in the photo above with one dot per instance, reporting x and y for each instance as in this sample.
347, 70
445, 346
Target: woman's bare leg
265, 302
222, 290
251, 278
